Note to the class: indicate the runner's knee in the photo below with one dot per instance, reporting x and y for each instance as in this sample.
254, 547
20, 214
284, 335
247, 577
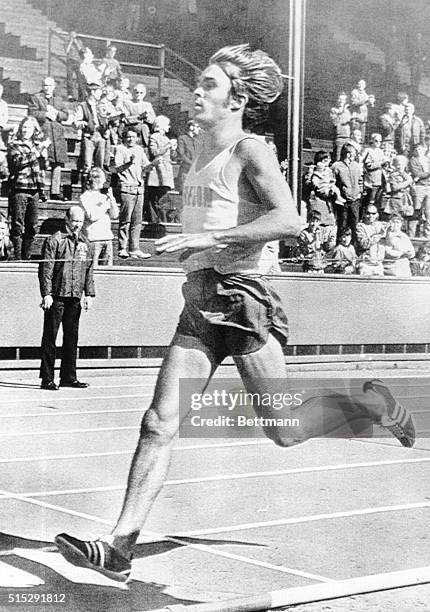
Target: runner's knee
157, 428
283, 440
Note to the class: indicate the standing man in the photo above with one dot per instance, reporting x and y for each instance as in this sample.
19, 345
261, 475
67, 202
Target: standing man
131, 164
93, 126
50, 111
65, 273
341, 118
348, 175
187, 144
236, 203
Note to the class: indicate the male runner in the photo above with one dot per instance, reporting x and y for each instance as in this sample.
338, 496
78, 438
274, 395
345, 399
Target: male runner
236, 202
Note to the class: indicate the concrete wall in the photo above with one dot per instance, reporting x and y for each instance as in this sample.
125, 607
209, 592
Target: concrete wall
137, 307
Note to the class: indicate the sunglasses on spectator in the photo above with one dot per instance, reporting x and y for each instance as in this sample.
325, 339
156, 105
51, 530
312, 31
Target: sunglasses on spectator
371, 212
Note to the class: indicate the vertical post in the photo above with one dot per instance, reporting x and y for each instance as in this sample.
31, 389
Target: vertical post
297, 32
161, 72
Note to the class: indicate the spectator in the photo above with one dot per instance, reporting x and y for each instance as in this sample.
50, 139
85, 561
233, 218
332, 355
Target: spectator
400, 107
360, 101
51, 112
99, 209
5, 243
313, 243
411, 131
388, 123
89, 71
93, 126
140, 113
123, 93
112, 72
343, 256
398, 249
370, 231
356, 141
160, 178
131, 163
65, 273
75, 80
26, 185
420, 170
370, 263
341, 118
187, 144
400, 201
4, 119
347, 173
325, 194
373, 161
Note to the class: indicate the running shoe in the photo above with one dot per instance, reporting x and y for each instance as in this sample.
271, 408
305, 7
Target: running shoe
397, 420
97, 555
139, 255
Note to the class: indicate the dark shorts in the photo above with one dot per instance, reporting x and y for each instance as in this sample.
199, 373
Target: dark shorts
230, 314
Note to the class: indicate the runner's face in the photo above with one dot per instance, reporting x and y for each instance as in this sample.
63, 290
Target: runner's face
212, 96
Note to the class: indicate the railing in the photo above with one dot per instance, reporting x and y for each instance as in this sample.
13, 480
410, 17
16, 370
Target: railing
145, 57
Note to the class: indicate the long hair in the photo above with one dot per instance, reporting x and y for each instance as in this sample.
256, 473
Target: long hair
37, 134
254, 74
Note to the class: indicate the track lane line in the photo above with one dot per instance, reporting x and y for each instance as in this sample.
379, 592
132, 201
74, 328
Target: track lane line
154, 535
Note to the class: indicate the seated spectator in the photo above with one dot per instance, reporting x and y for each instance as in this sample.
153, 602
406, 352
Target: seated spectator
4, 120
313, 243
348, 175
99, 209
388, 123
51, 113
411, 131
26, 185
400, 201
112, 72
360, 101
421, 264
419, 166
341, 118
140, 114
373, 161
370, 230
398, 249
89, 71
123, 93
5, 243
343, 256
88, 119
325, 193
160, 178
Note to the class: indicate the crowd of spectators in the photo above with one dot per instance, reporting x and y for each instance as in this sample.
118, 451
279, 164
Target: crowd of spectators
367, 200
125, 159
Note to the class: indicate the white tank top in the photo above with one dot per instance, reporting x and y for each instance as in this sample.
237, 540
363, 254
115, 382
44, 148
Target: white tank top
211, 203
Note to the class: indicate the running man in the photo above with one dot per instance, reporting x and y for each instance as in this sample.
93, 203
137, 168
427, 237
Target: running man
236, 203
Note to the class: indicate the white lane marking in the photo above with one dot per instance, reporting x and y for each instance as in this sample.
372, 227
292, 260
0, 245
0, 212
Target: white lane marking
238, 476
70, 413
13, 577
304, 519
128, 452
158, 536
57, 398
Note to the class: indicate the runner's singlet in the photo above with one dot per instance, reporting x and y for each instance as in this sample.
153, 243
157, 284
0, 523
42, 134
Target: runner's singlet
211, 203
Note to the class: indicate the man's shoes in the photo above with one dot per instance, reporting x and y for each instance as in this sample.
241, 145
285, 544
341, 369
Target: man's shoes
48, 385
139, 255
97, 555
123, 254
74, 384
397, 419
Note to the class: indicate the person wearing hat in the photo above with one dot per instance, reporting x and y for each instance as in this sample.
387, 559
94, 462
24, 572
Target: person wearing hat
88, 119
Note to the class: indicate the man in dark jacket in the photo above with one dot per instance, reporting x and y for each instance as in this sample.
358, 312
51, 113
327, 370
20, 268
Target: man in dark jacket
65, 273
51, 112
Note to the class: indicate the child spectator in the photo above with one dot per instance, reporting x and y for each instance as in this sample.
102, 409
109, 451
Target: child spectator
398, 249
5, 243
160, 178
313, 243
400, 201
344, 255
99, 209
326, 192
